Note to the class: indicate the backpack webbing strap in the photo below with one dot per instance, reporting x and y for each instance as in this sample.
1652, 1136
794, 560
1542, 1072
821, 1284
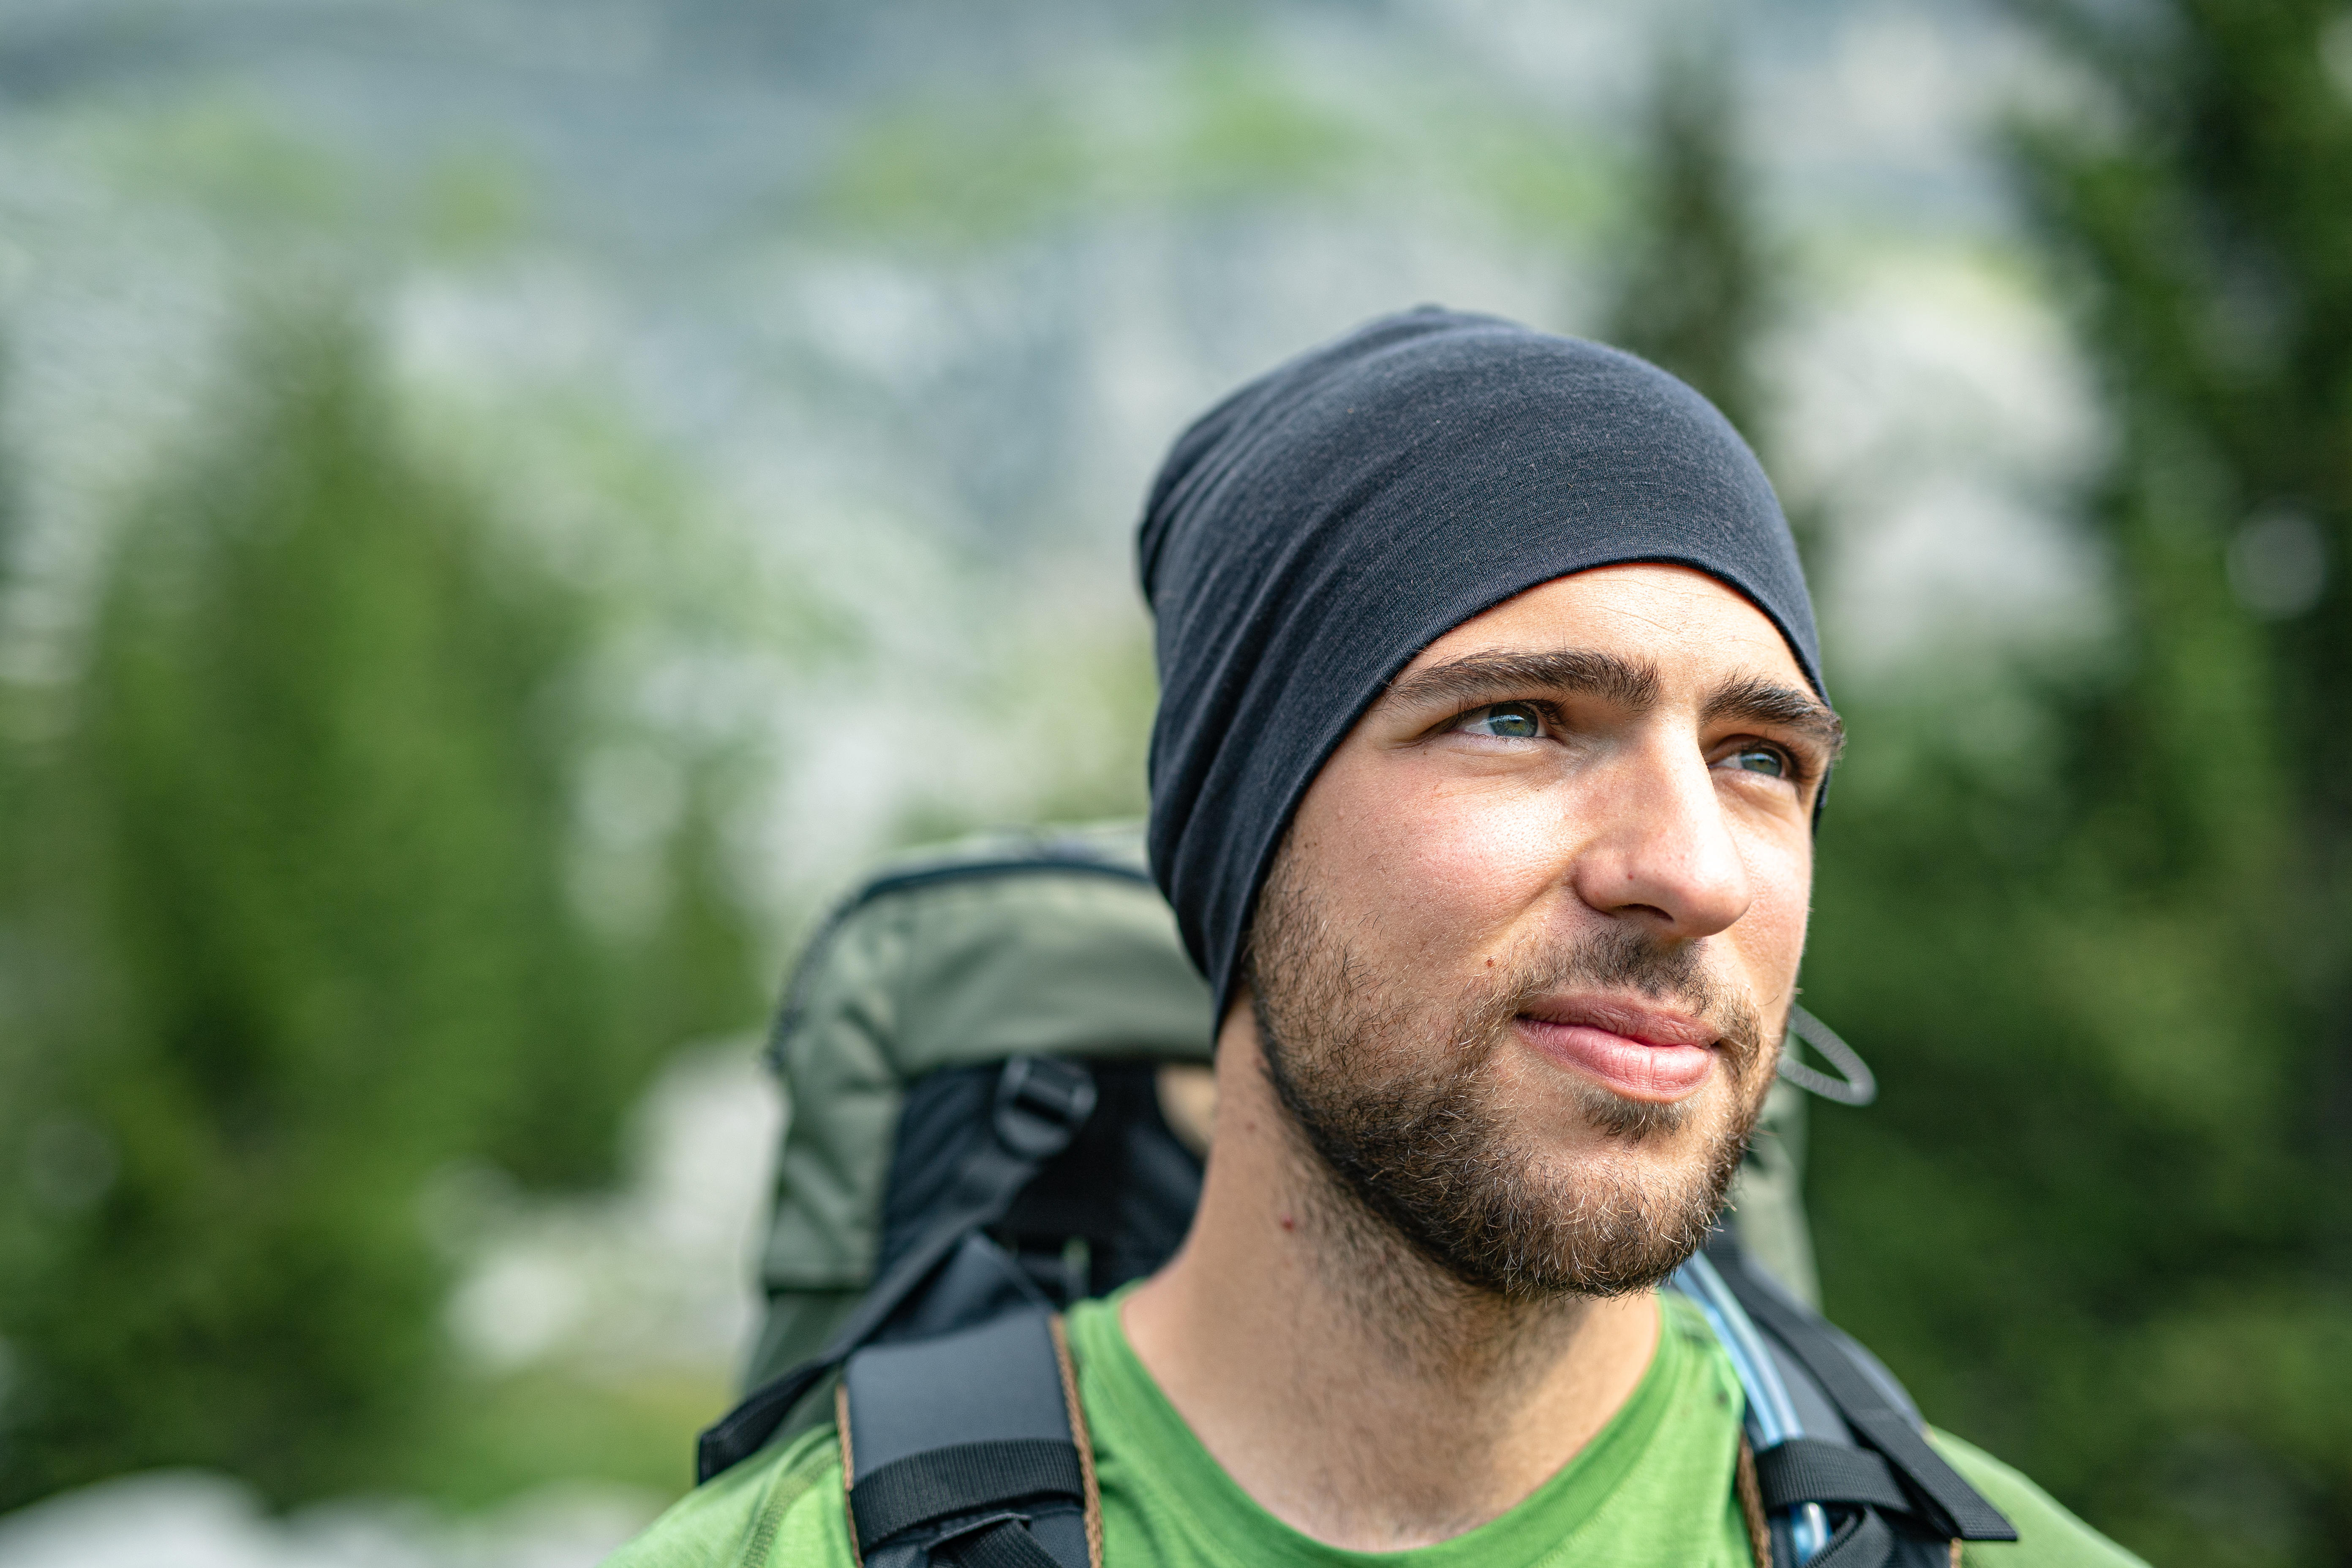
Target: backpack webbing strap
961, 1450
1939, 1493
1807, 1470
937, 1484
1864, 1541
745, 1430
1002, 1543
1039, 1106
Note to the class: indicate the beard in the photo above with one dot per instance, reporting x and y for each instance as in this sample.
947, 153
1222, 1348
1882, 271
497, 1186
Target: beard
1398, 1099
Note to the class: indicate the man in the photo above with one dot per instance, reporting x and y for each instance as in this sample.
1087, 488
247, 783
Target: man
1491, 741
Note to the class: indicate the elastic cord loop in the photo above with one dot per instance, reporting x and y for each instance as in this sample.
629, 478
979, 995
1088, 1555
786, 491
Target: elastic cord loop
1860, 1085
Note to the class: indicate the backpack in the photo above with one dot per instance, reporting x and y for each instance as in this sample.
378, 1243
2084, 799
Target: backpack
994, 1057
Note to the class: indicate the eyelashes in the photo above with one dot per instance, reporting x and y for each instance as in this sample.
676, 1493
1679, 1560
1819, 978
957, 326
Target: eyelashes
1504, 721
1526, 719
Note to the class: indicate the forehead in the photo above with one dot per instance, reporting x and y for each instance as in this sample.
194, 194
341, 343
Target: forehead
1690, 627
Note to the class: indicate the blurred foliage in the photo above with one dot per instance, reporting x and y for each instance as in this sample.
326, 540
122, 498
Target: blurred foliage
1699, 283
1694, 291
552, 1424
1225, 126
288, 926
2099, 923
472, 202
229, 156
292, 915
2096, 918
998, 165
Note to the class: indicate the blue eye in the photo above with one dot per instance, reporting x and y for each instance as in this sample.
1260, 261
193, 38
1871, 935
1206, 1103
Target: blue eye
1762, 760
1504, 721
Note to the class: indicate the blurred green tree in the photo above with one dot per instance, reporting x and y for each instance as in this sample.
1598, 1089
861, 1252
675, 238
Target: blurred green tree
2095, 918
2107, 935
1695, 287
1698, 284
288, 928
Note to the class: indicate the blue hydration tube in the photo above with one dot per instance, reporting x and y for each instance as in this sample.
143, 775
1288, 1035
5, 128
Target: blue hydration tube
1771, 1418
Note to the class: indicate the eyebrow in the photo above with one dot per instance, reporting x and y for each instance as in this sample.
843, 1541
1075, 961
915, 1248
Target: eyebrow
1628, 683
1754, 700
1632, 684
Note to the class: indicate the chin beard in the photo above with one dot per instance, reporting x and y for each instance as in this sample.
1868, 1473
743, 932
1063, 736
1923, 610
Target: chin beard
1395, 1098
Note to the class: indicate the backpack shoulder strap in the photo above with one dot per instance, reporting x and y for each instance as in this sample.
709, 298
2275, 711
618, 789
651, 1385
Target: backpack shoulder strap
1858, 1386
1834, 1435
970, 1450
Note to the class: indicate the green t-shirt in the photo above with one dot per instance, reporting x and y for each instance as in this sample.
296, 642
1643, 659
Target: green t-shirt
1652, 1488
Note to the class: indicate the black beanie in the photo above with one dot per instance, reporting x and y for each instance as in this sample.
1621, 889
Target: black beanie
1313, 533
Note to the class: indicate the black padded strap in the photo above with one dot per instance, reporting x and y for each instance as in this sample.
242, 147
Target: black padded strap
1940, 1494
1003, 1543
1807, 1470
942, 1483
948, 1435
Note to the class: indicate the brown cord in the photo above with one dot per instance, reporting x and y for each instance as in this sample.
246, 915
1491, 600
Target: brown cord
841, 1425
1083, 1439
1751, 1505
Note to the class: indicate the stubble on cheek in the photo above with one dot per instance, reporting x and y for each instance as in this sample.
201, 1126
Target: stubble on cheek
1398, 1097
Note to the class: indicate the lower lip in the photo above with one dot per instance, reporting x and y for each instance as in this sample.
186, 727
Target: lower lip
1630, 1068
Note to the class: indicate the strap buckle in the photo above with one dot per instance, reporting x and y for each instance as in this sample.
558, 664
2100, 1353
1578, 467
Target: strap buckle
1041, 1103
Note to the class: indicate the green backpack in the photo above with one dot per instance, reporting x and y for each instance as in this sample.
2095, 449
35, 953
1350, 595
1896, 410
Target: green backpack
994, 1057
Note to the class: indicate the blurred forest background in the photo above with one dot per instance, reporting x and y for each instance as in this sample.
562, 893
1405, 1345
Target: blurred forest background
502, 506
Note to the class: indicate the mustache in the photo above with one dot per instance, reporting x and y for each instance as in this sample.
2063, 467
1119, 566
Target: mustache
1670, 973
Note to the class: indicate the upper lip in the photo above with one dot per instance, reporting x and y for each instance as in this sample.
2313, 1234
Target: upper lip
1635, 1019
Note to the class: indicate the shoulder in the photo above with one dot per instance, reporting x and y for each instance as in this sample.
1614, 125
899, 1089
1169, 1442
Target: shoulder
779, 1508
1696, 1356
2047, 1535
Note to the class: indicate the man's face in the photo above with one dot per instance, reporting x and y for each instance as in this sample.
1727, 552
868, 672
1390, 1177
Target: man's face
1523, 964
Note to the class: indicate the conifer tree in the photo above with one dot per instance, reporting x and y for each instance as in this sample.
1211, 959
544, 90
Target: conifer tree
294, 931
1694, 287
2202, 218
2098, 938
2096, 1218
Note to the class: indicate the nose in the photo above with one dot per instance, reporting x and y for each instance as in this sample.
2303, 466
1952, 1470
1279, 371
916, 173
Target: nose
1664, 854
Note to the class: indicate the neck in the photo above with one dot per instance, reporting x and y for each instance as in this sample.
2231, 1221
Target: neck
1355, 1389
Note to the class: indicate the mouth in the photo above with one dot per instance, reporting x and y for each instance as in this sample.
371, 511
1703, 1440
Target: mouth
1631, 1048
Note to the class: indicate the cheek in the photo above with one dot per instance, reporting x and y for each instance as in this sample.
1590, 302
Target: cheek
1441, 869
1770, 937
